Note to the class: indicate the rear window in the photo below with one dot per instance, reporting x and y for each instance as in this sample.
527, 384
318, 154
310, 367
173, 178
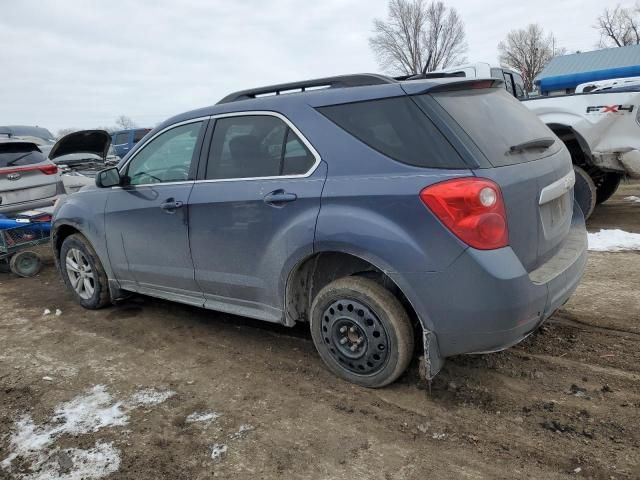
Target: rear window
19, 155
495, 121
397, 128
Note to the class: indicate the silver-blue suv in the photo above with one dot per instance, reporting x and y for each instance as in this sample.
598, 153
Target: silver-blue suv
386, 214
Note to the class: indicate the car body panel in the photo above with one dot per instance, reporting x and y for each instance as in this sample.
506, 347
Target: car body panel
242, 246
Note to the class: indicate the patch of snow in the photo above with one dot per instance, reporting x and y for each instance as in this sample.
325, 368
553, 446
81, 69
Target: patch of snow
439, 436
218, 452
96, 462
243, 430
613, 241
48, 379
46, 312
202, 417
633, 199
150, 396
86, 413
58, 312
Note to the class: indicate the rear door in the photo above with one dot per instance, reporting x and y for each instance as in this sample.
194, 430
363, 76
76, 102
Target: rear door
25, 175
253, 213
532, 167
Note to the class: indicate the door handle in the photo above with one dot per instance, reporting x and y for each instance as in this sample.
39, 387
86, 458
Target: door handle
278, 198
170, 205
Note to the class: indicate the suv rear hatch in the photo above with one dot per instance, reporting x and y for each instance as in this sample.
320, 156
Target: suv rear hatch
25, 175
522, 155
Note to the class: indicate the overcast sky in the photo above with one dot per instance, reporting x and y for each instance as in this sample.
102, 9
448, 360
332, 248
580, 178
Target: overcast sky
81, 63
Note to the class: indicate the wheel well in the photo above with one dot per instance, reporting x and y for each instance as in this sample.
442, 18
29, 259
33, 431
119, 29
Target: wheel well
61, 233
578, 148
317, 271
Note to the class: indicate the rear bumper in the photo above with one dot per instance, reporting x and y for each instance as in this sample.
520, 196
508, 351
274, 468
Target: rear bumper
31, 205
486, 301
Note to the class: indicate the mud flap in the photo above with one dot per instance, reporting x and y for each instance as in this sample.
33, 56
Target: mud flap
432, 362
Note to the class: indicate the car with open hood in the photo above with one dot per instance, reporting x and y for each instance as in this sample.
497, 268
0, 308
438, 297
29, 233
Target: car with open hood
30, 180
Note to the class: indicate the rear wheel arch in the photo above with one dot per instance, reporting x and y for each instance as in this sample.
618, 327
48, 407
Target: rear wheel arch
316, 271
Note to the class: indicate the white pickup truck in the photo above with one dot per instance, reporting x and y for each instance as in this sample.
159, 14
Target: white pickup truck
601, 129
600, 125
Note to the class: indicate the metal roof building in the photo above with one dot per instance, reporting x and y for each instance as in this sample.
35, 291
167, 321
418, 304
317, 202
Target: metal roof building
565, 72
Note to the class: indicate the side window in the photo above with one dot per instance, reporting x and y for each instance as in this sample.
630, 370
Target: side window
121, 138
256, 146
166, 158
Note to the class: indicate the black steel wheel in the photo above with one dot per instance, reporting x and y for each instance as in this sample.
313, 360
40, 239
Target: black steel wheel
361, 331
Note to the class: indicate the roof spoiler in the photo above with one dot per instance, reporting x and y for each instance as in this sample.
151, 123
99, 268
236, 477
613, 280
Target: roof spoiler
470, 84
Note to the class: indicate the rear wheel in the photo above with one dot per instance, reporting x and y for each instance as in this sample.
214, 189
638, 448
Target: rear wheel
83, 273
361, 331
26, 263
585, 191
606, 185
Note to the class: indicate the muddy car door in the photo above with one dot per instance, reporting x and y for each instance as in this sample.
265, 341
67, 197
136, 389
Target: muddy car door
252, 212
146, 217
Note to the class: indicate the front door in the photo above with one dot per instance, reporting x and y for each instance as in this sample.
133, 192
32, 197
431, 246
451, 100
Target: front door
147, 218
254, 213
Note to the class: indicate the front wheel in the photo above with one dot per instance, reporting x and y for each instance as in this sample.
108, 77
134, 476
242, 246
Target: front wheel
83, 273
361, 331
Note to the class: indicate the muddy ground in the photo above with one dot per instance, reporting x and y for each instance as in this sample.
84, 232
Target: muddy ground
564, 403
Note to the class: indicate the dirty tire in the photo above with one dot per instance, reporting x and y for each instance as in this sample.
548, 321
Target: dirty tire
100, 296
368, 317
607, 186
26, 264
4, 266
585, 192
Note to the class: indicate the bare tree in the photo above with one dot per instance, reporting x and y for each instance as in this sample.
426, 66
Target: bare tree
65, 131
528, 50
417, 36
125, 123
619, 26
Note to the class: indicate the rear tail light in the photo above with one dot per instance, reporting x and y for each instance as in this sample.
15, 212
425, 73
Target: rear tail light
49, 169
472, 208
46, 169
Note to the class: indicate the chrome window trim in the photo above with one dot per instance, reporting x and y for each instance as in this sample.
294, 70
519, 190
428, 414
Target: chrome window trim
248, 113
290, 124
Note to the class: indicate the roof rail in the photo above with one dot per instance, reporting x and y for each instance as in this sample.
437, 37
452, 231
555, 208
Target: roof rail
342, 81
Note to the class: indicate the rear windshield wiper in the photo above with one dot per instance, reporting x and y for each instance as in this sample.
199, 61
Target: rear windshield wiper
15, 160
542, 143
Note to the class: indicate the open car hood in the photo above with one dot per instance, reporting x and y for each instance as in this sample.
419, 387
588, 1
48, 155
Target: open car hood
85, 141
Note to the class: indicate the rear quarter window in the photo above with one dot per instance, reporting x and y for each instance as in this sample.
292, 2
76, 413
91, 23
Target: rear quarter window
399, 129
495, 121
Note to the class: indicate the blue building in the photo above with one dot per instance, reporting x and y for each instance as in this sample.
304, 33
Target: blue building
564, 73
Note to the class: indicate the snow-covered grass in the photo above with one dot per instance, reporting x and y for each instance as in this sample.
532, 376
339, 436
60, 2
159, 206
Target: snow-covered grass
87, 413
613, 241
633, 199
202, 417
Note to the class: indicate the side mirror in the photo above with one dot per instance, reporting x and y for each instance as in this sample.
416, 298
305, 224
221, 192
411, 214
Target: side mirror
109, 177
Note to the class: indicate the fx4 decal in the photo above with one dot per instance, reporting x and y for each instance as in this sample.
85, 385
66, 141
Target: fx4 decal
610, 109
